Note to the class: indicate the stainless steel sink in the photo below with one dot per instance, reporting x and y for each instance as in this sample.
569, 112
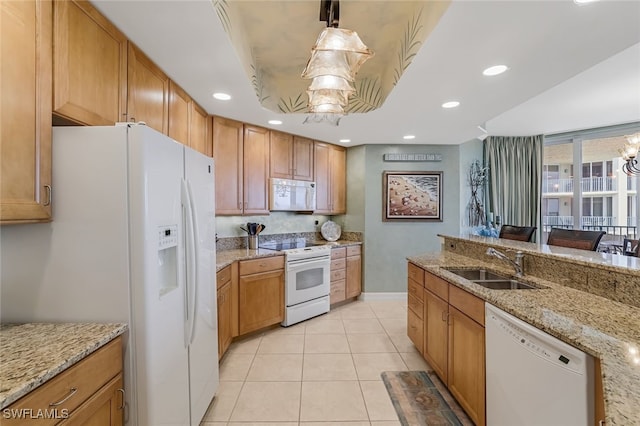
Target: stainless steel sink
477, 274
491, 280
505, 285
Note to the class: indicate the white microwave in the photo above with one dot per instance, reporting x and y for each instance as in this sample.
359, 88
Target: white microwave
292, 195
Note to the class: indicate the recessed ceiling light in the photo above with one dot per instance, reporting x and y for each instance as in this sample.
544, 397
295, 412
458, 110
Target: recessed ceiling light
345, 140
584, 1
495, 70
222, 96
275, 122
450, 104
407, 137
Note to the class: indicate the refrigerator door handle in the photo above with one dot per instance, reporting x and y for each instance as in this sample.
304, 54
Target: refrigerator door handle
195, 252
190, 262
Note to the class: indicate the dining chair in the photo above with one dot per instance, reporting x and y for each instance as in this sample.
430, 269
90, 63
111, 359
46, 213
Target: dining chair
518, 233
573, 238
631, 247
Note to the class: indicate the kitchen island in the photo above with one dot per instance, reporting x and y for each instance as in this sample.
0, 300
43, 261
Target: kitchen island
586, 299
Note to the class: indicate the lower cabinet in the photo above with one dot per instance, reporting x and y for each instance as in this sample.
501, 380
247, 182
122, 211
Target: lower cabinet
87, 393
261, 293
345, 273
225, 311
452, 339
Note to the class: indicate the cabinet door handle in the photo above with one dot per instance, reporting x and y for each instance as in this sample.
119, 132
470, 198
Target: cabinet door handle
121, 407
72, 392
48, 201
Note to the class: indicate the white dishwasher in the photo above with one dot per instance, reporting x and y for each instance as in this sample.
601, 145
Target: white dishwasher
534, 379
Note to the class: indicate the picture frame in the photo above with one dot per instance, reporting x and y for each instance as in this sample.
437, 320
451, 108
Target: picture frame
412, 196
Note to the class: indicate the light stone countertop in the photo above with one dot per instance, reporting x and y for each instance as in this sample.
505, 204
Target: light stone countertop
32, 353
604, 328
227, 257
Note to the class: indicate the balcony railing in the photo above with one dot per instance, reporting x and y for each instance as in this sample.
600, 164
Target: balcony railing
592, 223
591, 184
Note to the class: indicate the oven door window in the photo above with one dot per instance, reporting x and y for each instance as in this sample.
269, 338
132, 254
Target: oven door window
309, 278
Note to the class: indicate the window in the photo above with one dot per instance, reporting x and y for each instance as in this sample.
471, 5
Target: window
601, 196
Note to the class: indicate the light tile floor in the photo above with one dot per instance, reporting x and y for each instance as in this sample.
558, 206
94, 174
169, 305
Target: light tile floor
324, 371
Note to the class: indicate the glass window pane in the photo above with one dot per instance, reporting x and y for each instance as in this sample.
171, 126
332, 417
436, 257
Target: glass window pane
557, 187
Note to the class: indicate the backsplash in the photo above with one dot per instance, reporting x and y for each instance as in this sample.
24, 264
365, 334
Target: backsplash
233, 243
276, 223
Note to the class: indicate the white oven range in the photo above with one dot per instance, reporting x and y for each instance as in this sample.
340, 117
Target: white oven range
307, 281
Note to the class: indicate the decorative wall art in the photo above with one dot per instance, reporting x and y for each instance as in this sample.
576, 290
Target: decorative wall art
412, 196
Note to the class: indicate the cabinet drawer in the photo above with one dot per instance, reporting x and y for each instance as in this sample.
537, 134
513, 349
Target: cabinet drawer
338, 291
415, 305
338, 253
340, 274
223, 276
264, 264
436, 285
467, 303
338, 264
415, 330
415, 273
415, 290
353, 251
87, 376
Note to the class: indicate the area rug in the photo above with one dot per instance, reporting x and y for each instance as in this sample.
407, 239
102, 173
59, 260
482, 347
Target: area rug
418, 401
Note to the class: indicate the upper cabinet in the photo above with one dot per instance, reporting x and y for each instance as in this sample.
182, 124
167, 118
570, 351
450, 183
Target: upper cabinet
227, 153
90, 65
188, 123
148, 91
25, 122
241, 153
200, 130
256, 170
179, 112
330, 177
291, 157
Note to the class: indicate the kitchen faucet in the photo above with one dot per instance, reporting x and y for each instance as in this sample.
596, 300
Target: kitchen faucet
517, 264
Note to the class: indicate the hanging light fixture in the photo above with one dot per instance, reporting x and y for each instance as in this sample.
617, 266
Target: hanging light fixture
629, 154
335, 60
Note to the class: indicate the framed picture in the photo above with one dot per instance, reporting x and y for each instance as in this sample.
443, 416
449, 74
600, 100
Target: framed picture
411, 196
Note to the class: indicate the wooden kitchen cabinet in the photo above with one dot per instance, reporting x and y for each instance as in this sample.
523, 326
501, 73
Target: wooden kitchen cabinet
338, 275
345, 273
242, 169
228, 137
90, 65
179, 113
256, 170
25, 122
330, 178
354, 272
291, 157
147, 91
452, 322
466, 369
225, 310
97, 400
200, 130
261, 293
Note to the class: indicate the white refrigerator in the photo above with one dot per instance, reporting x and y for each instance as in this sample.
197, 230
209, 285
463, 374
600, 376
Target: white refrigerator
132, 240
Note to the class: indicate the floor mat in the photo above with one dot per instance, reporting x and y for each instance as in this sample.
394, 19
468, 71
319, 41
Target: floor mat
421, 402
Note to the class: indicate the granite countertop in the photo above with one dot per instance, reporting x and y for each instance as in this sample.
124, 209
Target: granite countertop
32, 353
227, 257
604, 328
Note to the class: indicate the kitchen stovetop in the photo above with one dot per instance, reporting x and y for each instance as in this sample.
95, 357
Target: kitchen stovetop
287, 245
